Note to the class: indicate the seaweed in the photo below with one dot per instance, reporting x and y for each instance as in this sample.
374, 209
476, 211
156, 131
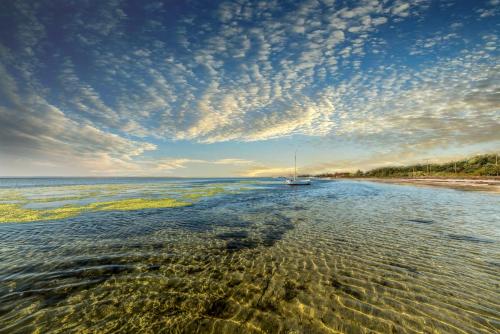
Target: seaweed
207, 192
220, 308
232, 235
239, 244
13, 209
18, 213
136, 204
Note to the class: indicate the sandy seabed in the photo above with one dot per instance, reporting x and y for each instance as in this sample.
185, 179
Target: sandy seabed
334, 257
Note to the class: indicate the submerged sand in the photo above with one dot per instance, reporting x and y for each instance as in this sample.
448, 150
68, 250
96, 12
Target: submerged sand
488, 185
335, 257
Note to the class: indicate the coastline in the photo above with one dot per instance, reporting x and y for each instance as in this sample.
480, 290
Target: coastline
465, 184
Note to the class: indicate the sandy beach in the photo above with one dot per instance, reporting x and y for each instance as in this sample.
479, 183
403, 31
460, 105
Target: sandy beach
488, 185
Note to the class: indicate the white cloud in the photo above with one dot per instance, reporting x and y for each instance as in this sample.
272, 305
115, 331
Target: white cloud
401, 9
438, 41
259, 71
160, 166
32, 127
379, 20
233, 161
454, 102
255, 102
263, 171
492, 9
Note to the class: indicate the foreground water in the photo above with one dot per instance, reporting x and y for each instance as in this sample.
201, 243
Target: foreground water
246, 256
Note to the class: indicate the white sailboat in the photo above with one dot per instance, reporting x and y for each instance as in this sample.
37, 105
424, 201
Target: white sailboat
295, 181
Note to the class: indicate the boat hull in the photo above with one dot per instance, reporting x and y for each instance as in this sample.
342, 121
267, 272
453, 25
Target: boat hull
298, 182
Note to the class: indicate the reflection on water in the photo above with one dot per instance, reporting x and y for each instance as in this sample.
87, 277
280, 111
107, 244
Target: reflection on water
349, 257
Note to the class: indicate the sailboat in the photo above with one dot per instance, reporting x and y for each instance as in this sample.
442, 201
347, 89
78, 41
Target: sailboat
295, 181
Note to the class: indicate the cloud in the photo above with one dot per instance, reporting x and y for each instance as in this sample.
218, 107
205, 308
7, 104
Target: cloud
454, 102
84, 87
401, 9
32, 127
439, 41
240, 81
165, 163
379, 20
263, 171
492, 9
233, 161
168, 166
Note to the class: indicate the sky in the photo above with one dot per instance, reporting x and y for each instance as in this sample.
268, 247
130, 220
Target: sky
234, 88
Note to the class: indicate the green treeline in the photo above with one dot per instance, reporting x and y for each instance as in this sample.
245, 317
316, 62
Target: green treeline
481, 165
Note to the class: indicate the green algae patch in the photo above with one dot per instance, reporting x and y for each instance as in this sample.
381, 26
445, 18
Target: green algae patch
60, 199
194, 195
17, 213
136, 204
13, 203
10, 196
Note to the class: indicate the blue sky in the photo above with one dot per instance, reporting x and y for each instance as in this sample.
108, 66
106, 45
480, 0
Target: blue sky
233, 88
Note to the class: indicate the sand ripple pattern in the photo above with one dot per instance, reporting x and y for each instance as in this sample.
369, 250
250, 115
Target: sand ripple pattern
336, 257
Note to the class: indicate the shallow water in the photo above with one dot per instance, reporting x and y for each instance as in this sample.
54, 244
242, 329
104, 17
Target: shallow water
255, 256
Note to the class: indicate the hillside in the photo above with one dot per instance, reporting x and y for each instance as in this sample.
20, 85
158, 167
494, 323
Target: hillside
477, 166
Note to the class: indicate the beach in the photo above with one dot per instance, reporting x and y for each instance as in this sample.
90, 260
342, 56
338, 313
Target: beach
466, 184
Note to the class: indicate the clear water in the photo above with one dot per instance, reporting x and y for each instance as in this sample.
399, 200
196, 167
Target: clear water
261, 257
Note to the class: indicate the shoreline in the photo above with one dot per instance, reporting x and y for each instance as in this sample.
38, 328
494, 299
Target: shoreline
465, 184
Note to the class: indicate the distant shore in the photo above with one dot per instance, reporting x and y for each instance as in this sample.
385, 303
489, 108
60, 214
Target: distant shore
467, 184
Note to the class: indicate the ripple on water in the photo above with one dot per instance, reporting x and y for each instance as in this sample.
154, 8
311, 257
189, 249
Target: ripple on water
338, 256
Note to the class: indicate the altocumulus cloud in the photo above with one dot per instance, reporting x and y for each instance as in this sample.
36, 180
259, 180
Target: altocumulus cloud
100, 85
33, 128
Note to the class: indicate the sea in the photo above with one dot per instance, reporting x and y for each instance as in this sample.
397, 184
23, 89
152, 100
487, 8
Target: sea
246, 255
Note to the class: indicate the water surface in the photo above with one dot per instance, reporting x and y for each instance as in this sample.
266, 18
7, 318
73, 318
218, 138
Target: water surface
251, 256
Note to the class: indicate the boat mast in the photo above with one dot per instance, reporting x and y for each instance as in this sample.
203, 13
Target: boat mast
295, 172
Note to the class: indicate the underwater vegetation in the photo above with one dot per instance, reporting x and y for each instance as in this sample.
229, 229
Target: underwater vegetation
197, 194
136, 204
17, 213
13, 203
